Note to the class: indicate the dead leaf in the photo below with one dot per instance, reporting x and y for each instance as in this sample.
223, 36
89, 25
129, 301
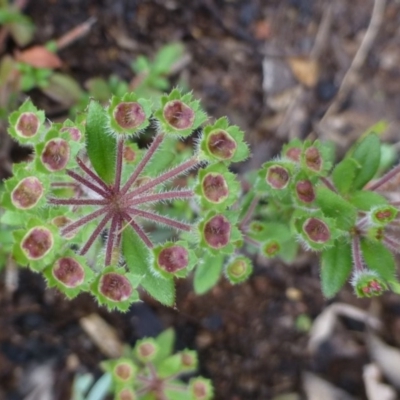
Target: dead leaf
375, 389
317, 388
386, 357
39, 57
103, 335
63, 89
305, 70
324, 324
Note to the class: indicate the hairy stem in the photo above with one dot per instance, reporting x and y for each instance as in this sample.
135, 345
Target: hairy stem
77, 202
155, 144
176, 194
138, 229
385, 178
118, 167
84, 220
357, 256
172, 173
89, 172
160, 219
96, 233
86, 183
111, 239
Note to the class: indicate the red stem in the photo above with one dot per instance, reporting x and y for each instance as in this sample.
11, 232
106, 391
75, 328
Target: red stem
96, 178
77, 202
357, 256
95, 233
138, 229
183, 194
87, 183
118, 167
143, 162
84, 220
160, 219
172, 173
111, 238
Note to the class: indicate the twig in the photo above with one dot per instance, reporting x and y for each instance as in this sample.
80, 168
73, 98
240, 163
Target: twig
75, 33
358, 60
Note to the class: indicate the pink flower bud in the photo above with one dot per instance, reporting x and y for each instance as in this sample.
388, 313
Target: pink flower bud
124, 371
69, 272
74, 132
27, 125
178, 115
277, 177
221, 145
56, 154
294, 154
27, 193
37, 243
217, 231
115, 287
126, 394
129, 115
129, 154
305, 191
146, 350
316, 230
313, 159
173, 259
271, 248
215, 188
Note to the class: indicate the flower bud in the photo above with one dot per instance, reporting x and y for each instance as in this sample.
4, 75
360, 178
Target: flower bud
368, 283
129, 115
146, 350
115, 287
126, 394
383, 215
74, 132
277, 177
221, 144
313, 159
316, 230
124, 371
293, 154
129, 154
217, 231
27, 193
305, 191
178, 115
271, 248
200, 389
215, 188
69, 272
238, 270
27, 125
55, 154
188, 359
172, 259
37, 242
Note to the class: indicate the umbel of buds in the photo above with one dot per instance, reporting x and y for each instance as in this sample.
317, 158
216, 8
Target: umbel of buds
368, 283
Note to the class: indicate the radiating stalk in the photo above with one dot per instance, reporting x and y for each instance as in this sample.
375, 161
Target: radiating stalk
111, 239
89, 172
118, 167
155, 144
87, 183
138, 229
172, 195
77, 202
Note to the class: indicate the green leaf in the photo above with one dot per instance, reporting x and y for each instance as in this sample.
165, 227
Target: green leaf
335, 206
379, 259
336, 265
344, 173
137, 258
165, 341
368, 154
207, 273
101, 146
365, 200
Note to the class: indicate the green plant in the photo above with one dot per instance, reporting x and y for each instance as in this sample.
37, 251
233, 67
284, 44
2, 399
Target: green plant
62, 204
87, 178
152, 371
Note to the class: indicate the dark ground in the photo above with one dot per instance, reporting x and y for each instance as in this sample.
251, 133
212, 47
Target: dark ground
248, 336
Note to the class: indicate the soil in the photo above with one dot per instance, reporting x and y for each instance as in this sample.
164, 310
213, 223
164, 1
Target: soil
250, 338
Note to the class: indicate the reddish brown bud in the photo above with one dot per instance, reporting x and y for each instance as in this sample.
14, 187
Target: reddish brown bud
129, 154
75, 133
27, 125
221, 145
294, 154
37, 243
178, 115
69, 272
146, 350
305, 191
217, 231
27, 193
129, 115
277, 177
316, 230
173, 259
55, 154
215, 188
124, 371
271, 248
126, 394
313, 159
115, 287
